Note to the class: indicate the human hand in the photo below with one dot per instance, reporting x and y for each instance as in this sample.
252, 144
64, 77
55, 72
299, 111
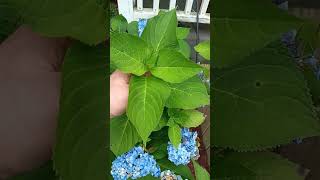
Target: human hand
29, 94
119, 92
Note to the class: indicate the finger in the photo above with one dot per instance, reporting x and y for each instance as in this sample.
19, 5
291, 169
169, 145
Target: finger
35, 51
118, 75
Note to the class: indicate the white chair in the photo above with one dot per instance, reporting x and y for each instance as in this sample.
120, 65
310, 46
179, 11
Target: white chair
133, 10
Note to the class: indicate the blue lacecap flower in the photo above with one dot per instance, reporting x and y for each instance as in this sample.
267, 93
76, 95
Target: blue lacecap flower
187, 149
134, 164
142, 23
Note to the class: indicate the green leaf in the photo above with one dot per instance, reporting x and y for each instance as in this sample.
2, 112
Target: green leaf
132, 28
254, 166
184, 48
159, 142
9, 20
313, 84
206, 70
173, 67
161, 151
149, 177
44, 172
188, 118
200, 172
172, 111
203, 49
123, 135
147, 96
308, 38
129, 53
160, 31
119, 23
152, 60
163, 122
84, 20
181, 170
174, 134
81, 147
182, 32
267, 97
189, 94
232, 41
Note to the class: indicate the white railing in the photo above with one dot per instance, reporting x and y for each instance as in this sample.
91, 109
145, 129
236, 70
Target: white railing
133, 10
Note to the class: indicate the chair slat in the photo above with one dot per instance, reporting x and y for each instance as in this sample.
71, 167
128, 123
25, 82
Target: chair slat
188, 7
140, 5
172, 4
155, 6
204, 7
125, 8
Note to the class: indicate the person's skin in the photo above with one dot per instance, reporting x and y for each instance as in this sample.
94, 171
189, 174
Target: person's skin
119, 92
29, 98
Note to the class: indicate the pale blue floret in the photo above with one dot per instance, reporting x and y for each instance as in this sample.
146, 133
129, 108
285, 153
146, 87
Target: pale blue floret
167, 174
134, 164
314, 63
141, 25
186, 150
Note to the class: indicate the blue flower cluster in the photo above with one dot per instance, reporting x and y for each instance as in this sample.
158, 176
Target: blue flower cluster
282, 4
134, 164
289, 40
169, 175
186, 150
203, 77
141, 25
315, 64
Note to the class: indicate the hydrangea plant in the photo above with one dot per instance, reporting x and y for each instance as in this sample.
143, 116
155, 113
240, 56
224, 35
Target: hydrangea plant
164, 94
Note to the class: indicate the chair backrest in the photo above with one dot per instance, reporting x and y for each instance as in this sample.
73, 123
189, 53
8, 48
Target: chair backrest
133, 10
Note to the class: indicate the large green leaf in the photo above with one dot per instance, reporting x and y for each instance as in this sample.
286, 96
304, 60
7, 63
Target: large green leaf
44, 172
119, 23
129, 53
147, 96
160, 31
132, 28
313, 84
9, 20
242, 27
123, 135
188, 118
254, 166
174, 133
200, 172
182, 32
203, 49
163, 122
184, 48
173, 67
308, 38
262, 103
81, 149
85, 20
189, 94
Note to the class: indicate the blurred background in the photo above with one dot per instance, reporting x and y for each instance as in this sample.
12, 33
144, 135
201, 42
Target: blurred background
307, 154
